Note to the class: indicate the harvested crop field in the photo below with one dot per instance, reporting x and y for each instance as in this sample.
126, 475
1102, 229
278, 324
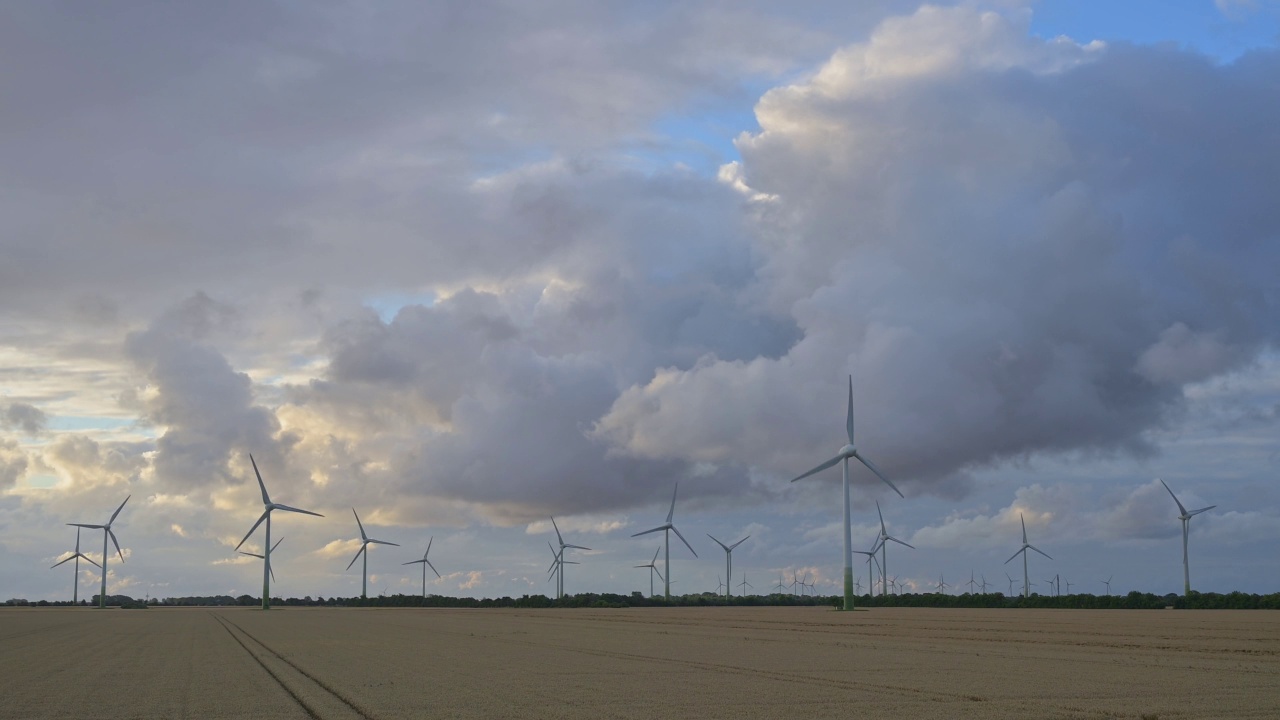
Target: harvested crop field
765, 662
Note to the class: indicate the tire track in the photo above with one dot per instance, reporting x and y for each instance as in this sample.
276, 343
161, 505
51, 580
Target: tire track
313, 695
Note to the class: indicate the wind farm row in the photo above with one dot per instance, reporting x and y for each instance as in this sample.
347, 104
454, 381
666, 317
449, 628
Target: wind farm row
876, 556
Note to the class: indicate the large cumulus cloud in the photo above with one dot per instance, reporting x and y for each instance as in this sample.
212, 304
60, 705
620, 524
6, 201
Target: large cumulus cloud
1014, 245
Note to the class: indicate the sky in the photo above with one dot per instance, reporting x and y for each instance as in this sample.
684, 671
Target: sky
465, 266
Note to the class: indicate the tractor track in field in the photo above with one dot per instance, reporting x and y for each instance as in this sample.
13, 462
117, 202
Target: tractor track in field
313, 695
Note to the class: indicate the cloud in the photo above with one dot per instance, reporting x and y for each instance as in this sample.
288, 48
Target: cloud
22, 416
13, 462
974, 223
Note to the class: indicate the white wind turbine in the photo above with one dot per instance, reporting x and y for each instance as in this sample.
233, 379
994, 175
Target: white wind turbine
846, 452
425, 564
1185, 517
667, 528
744, 585
653, 568
1107, 582
75, 589
882, 542
719, 584
365, 542
106, 532
1010, 583
1026, 578
971, 582
264, 559
563, 545
780, 588
557, 568
268, 507
728, 558
871, 578
942, 585
983, 584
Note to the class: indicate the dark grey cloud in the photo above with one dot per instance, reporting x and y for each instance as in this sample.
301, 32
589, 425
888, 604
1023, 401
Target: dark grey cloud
22, 416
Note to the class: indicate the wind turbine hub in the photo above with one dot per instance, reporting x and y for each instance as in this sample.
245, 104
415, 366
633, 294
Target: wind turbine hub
848, 451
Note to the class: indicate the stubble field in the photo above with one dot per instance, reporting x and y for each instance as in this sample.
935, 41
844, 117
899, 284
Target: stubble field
638, 663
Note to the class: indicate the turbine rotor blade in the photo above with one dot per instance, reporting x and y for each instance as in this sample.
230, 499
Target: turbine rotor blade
557, 527
297, 510
261, 517
91, 527
272, 571
357, 557
273, 547
1197, 512
1006, 562
848, 422
820, 468
73, 557
116, 542
881, 514
726, 549
266, 499
382, 542
672, 512
646, 532
913, 547
433, 567
731, 547
117, 512
655, 555
879, 474
242, 552
686, 542
577, 547
1033, 547
1175, 497
86, 558
359, 524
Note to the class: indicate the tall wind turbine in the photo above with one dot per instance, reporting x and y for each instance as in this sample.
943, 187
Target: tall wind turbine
263, 558
268, 506
75, 589
365, 542
106, 532
728, 558
653, 568
1107, 582
563, 545
667, 528
1185, 517
883, 540
846, 452
425, 564
1026, 578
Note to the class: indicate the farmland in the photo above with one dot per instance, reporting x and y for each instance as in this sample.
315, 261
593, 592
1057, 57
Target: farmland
737, 662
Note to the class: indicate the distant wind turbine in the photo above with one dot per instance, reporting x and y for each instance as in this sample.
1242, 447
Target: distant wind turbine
365, 542
1185, 517
780, 588
871, 557
728, 558
884, 537
266, 515
425, 563
653, 568
983, 584
971, 582
1026, 578
719, 584
846, 452
857, 586
942, 585
667, 528
563, 545
744, 585
1010, 583
1068, 582
264, 559
1107, 582
106, 532
75, 589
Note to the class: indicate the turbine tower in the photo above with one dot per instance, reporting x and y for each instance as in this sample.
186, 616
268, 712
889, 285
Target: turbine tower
425, 564
728, 558
1185, 517
264, 559
266, 515
871, 578
106, 532
75, 588
1026, 578
880, 545
667, 528
563, 545
365, 542
653, 568
846, 452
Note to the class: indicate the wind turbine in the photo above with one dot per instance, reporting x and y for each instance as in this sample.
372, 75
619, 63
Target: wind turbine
810, 586
1107, 582
425, 564
653, 568
667, 528
971, 582
1068, 582
884, 535
857, 586
1185, 517
1026, 580
983, 584
871, 556
846, 452
1010, 583
263, 558
75, 589
744, 585
106, 532
719, 584
563, 545
266, 515
942, 585
365, 542
1053, 585
554, 570
780, 587
728, 558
